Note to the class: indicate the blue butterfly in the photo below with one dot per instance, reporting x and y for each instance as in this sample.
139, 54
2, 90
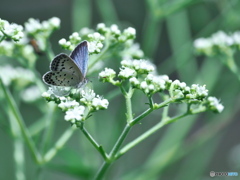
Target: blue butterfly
69, 71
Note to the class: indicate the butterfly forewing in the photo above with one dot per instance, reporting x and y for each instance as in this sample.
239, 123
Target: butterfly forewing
63, 62
80, 57
61, 78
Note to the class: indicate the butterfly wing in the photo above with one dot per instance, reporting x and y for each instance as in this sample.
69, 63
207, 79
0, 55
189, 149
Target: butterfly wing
61, 78
64, 72
80, 57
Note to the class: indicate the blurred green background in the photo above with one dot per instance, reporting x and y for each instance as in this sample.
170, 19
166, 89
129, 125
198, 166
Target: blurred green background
188, 149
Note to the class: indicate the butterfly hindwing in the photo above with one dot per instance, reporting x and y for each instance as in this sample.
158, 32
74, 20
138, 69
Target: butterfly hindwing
80, 57
61, 78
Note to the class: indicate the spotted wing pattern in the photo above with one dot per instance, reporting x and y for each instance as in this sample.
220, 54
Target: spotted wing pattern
64, 72
80, 57
61, 78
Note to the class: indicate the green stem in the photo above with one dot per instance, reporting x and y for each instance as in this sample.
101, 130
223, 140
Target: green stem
98, 147
35, 154
148, 111
116, 147
129, 125
2, 38
49, 127
147, 134
128, 97
18, 148
58, 145
19, 158
232, 65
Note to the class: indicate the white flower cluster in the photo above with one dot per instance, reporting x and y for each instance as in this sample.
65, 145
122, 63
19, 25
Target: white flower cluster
17, 75
140, 66
31, 94
95, 102
75, 114
6, 48
67, 103
95, 42
96, 39
33, 26
40, 32
129, 69
33, 40
129, 33
77, 111
74, 39
13, 31
107, 75
132, 51
218, 42
191, 93
215, 104
141, 75
151, 84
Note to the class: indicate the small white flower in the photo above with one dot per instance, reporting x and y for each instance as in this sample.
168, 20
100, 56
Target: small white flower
88, 95
130, 32
202, 43
31, 94
65, 105
236, 37
158, 81
132, 50
6, 48
101, 26
75, 114
144, 85
134, 81
99, 103
108, 72
127, 73
200, 90
215, 104
62, 41
96, 37
55, 22
75, 38
32, 25
127, 63
114, 29
94, 47
151, 87
143, 66
85, 31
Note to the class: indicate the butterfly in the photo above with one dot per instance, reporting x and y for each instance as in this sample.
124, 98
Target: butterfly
69, 71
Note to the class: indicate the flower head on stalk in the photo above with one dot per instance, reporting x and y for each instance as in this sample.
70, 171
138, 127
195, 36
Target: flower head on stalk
77, 109
12, 31
218, 43
141, 75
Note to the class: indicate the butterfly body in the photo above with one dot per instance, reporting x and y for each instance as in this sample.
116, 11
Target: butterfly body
69, 71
